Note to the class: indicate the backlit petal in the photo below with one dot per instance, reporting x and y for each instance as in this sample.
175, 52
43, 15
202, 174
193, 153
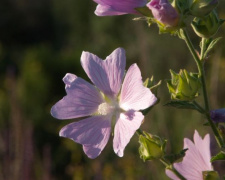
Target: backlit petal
133, 94
93, 133
106, 74
118, 7
171, 175
82, 99
196, 159
125, 128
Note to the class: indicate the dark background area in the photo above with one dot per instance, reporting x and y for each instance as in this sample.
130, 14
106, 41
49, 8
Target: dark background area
41, 41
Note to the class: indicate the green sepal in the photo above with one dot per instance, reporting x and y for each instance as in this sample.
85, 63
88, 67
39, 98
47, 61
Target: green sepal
184, 105
174, 157
144, 11
150, 83
210, 175
220, 156
210, 44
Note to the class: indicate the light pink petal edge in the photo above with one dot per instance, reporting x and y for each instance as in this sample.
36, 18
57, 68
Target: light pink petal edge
171, 175
105, 10
125, 127
93, 133
82, 99
106, 74
133, 94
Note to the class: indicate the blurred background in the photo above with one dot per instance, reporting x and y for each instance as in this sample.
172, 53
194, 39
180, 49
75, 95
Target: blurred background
41, 41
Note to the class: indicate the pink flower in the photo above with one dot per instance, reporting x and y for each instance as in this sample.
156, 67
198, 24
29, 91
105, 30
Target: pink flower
118, 7
164, 12
109, 101
196, 160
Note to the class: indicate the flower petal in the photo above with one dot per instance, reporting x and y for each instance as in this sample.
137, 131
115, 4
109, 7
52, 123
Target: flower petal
171, 175
82, 99
93, 133
106, 74
195, 161
125, 128
118, 7
203, 147
105, 10
133, 94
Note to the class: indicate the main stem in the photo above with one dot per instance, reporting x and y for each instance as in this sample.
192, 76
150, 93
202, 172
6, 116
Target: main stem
201, 71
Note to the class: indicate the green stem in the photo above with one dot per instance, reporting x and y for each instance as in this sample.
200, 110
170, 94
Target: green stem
170, 167
201, 71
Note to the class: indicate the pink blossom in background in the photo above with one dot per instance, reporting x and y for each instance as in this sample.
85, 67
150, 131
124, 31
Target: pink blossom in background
218, 115
108, 100
118, 7
164, 12
196, 160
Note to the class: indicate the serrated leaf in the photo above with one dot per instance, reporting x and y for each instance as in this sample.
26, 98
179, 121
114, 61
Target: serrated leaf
220, 156
211, 46
184, 105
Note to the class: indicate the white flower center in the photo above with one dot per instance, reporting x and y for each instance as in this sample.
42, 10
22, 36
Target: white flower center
105, 108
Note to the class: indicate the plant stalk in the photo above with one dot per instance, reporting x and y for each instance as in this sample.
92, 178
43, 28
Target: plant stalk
200, 65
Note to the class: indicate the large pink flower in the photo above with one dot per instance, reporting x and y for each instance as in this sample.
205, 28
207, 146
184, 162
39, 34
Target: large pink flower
196, 160
108, 103
118, 7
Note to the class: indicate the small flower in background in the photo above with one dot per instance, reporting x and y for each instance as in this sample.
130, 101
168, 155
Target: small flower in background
196, 162
108, 101
164, 12
218, 115
118, 7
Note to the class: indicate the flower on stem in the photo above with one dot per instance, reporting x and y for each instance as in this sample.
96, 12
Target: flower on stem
164, 12
218, 115
109, 100
196, 163
118, 7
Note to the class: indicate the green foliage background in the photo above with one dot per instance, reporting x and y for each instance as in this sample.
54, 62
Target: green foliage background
41, 41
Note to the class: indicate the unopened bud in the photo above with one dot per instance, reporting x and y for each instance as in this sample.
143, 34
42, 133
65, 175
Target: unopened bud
208, 26
183, 86
218, 115
201, 8
151, 147
164, 12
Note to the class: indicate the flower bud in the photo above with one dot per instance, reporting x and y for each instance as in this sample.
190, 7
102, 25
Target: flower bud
164, 12
201, 8
208, 26
183, 86
218, 115
210, 175
151, 147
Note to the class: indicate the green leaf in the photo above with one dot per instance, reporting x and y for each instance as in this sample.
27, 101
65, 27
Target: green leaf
219, 156
211, 45
184, 105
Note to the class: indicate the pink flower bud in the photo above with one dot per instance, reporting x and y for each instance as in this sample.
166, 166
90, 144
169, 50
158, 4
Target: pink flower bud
164, 12
218, 115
